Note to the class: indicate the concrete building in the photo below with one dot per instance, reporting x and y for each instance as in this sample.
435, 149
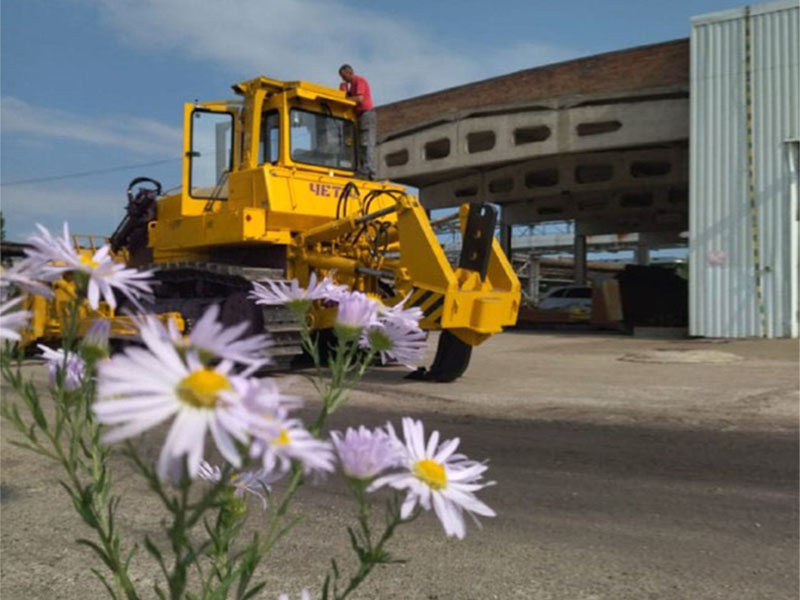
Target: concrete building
603, 141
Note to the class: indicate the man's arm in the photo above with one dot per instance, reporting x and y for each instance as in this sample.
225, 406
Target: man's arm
356, 91
344, 87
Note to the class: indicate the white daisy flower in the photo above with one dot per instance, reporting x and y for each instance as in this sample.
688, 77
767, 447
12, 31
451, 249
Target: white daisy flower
365, 454
45, 248
434, 476
73, 366
104, 275
400, 315
11, 321
256, 483
212, 340
304, 595
265, 398
210, 337
144, 387
291, 294
393, 340
25, 275
284, 440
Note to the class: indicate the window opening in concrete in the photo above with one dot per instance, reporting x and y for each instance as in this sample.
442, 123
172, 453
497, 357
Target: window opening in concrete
396, 159
498, 186
480, 141
542, 178
466, 192
437, 149
594, 173
530, 135
650, 168
590, 205
598, 127
550, 210
634, 200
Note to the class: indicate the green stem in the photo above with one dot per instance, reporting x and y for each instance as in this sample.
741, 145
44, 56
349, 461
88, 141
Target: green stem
93, 501
373, 556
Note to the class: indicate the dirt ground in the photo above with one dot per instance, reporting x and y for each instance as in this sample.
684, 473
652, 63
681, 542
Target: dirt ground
616, 479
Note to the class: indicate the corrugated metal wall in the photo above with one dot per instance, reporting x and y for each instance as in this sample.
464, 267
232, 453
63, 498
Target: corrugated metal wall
732, 233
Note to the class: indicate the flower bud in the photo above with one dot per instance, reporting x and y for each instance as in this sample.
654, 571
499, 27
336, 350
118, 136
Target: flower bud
95, 343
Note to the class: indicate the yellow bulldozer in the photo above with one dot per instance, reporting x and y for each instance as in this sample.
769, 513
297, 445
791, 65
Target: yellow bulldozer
269, 192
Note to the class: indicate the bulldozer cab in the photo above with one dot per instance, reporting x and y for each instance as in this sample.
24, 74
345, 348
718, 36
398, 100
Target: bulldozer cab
296, 125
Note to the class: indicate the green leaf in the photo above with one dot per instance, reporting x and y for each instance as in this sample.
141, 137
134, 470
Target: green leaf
31, 448
325, 587
105, 583
36, 410
130, 556
153, 549
359, 550
221, 593
98, 550
254, 590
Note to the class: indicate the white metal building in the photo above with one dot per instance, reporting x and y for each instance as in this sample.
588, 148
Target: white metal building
744, 162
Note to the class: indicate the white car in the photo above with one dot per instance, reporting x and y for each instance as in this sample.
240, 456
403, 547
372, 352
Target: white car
566, 297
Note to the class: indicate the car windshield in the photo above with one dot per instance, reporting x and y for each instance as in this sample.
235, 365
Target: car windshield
322, 140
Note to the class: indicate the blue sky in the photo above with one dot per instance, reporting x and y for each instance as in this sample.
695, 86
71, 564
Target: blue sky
94, 84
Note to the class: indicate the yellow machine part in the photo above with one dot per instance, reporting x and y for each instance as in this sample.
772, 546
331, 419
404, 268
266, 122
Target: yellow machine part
266, 201
298, 206
49, 315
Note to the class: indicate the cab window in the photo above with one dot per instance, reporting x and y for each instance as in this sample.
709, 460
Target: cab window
322, 140
270, 138
211, 155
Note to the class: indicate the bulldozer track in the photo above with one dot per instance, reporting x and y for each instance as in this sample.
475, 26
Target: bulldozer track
189, 287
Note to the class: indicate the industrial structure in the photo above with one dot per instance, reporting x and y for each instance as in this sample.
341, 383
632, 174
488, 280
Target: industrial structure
649, 141
745, 133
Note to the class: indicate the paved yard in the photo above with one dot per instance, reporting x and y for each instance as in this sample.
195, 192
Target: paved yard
616, 479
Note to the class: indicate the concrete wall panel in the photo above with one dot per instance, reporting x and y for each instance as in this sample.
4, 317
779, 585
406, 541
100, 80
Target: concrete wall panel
743, 247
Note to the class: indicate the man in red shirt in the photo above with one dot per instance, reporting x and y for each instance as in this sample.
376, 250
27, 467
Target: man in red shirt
357, 88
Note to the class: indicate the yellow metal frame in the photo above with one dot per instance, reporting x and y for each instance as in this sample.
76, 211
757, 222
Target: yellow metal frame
297, 206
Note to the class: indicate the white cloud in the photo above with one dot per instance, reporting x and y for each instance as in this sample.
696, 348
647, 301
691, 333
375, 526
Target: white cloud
86, 210
309, 39
144, 136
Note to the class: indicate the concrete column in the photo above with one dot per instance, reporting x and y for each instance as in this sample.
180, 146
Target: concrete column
505, 237
642, 254
534, 274
579, 254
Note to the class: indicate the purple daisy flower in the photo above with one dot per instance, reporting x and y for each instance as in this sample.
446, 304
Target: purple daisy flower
365, 454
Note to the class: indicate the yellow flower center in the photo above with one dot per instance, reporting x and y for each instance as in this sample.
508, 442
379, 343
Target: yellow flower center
431, 472
200, 388
89, 261
283, 438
